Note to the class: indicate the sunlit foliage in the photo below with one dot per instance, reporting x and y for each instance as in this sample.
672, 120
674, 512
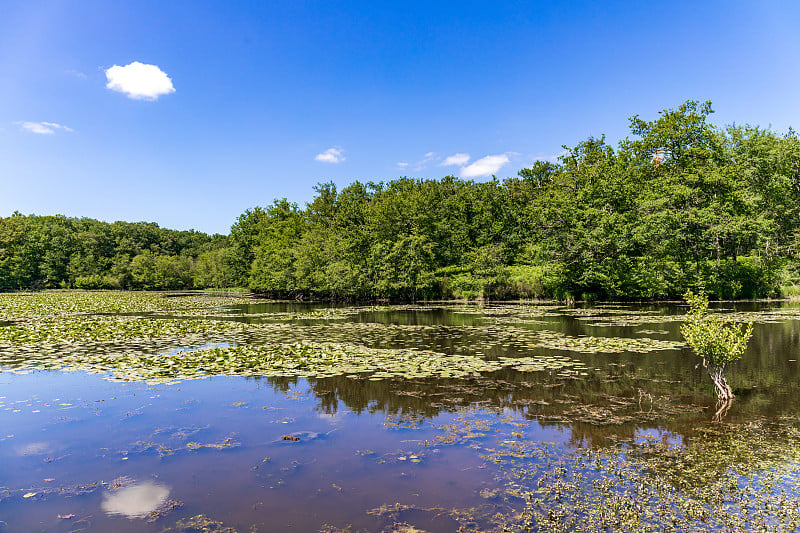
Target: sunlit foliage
716, 342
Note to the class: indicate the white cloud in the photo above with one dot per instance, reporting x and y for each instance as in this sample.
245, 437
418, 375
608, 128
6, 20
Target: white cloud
331, 155
135, 501
455, 159
139, 81
422, 164
486, 166
76, 73
43, 128
543, 156
402, 164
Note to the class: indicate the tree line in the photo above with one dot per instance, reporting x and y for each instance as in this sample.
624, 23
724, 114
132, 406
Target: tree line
681, 204
40, 252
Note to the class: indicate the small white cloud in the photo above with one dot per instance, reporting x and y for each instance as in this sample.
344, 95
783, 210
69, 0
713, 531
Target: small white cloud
76, 73
543, 156
135, 501
423, 163
402, 164
455, 159
331, 155
139, 81
35, 448
43, 128
486, 166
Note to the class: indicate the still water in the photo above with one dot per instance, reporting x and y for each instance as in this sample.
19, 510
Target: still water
247, 454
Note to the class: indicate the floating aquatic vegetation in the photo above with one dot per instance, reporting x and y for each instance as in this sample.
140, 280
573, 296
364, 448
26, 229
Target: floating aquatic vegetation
469, 339
613, 489
587, 313
515, 313
170, 441
614, 411
65, 303
224, 445
243, 310
743, 478
627, 318
762, 317
632, 319
42, 492
63, 327
320, 361
98, 329
199, 524
545, 362
125, 362
500, 313
128, 346
527, 485
589, 344
716, 451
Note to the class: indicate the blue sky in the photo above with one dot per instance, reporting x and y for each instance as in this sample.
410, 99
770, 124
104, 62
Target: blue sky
186, 113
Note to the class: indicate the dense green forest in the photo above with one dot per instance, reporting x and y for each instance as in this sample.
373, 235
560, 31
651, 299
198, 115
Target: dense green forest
58, 252
680, 204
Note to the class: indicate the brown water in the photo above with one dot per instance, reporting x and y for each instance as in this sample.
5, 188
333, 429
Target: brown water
78, 453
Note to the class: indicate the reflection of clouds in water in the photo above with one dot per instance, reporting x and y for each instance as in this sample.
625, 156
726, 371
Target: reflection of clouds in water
34, 448
135, 501
333, 418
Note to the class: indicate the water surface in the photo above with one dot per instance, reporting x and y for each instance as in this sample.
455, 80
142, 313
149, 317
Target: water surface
260, 453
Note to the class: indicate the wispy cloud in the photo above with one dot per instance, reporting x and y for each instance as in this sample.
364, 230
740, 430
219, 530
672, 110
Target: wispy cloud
139, 81
456, 159
422, 164
553, 158
485, 166
402, 164
331, 155
43, 128
76, 73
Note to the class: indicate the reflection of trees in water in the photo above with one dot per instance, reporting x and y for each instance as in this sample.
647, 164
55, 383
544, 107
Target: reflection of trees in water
712, 456
764, 380
646, 418
721, 477
598, 409
664, 468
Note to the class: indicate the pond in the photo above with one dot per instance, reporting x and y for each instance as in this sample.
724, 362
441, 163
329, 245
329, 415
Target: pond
140, 412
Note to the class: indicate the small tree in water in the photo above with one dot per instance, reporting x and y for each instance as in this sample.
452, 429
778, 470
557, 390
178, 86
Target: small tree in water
715, 341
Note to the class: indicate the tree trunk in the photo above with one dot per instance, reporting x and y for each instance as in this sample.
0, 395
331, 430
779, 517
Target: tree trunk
722, 409
717, 375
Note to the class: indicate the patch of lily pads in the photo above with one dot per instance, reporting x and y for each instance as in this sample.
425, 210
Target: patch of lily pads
461, 337
67, 330
66, 303
291, 360
127, 334
590, 344
769, 316
120, 335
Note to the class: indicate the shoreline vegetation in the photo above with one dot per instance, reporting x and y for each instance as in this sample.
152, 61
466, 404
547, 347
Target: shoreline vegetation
681, 205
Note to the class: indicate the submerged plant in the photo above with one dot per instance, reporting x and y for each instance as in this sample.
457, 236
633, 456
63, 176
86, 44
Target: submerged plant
717, 342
